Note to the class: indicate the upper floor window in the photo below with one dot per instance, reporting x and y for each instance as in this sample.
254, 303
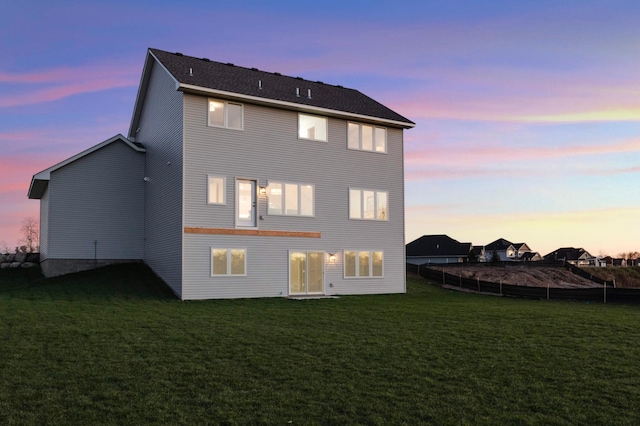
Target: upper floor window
368, 204
215, 190
290, 199
225, 114
312, 127
367, 138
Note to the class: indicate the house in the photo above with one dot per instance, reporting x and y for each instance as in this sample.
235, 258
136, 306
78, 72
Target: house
574, 256
511, 252
480, 253
437, 249
505, 249
236, 182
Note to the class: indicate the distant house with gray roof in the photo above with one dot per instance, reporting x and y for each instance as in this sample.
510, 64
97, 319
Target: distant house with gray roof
437, 249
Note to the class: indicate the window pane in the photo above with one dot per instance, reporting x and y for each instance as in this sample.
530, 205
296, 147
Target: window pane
380, 140
363, 259
216, 113
237, 261
349, 263
355, 210
312, 127
216, 190
275, 198
291, 198
314, 266
382, 212
377, 263
219, 261
306, 200
367, 138
234, 116
353, 137
297, 269
369, 204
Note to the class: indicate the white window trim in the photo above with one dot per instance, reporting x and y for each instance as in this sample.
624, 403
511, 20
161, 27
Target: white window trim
283, 202
226, 114
326, 127
357, 276
373, 141
375, 208
229, 274
224, 190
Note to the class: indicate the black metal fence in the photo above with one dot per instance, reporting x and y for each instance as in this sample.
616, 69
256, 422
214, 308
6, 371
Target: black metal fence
606, 293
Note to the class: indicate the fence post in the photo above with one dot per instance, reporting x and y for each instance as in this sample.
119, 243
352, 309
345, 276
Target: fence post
443, 280
478, 284
547, 291
605, 291
500, 287
614, 283
460, 278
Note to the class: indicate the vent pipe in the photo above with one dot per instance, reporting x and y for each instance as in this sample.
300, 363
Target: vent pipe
260, 84
309, 93
297, 91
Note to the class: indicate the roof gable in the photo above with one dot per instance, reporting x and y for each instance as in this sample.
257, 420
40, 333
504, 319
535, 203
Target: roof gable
40, 180
203, 76
499, 244
437, 245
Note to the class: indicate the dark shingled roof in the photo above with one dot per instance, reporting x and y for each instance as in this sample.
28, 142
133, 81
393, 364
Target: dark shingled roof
499, 244
245, 81
437, 245
567, 253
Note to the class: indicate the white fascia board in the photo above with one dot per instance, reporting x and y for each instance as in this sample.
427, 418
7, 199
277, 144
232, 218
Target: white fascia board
293, 106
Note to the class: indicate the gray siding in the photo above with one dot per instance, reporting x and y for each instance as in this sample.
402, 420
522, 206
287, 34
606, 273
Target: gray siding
44, 225
161, 133
97, 198
268, 149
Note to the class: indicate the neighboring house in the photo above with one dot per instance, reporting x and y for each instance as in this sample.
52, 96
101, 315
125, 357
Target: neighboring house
530, 256
505, 249
480, 253
235, 182
615, 261
574, 256
437, 249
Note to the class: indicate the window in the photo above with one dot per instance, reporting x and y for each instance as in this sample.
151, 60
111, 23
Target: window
363, 137
290, 199
228, 262
368, 204
363, 264
215, 190
312, 127
225, 114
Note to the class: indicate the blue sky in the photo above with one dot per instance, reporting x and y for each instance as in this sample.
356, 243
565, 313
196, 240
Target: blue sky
527, 113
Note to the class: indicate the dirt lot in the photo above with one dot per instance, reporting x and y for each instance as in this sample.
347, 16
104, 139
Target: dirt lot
521, 275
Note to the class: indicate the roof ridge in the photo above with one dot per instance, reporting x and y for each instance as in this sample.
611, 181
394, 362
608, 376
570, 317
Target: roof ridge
253, 69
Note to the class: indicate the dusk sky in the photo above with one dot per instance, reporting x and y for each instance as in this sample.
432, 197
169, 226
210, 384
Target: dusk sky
527, 112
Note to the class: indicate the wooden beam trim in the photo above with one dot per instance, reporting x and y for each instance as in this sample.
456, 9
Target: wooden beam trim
251, 232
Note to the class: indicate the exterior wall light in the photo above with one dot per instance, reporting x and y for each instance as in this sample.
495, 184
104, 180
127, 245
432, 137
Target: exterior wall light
332, 258
263, 190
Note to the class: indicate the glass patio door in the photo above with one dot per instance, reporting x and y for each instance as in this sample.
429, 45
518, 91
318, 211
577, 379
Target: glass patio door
306, 272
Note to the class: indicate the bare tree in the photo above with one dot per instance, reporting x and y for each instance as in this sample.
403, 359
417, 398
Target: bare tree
4, 247
30, 235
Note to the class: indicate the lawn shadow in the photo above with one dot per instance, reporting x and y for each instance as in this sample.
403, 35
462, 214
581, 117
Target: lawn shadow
133, 281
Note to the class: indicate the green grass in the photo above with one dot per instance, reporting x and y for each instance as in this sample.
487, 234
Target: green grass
114, 347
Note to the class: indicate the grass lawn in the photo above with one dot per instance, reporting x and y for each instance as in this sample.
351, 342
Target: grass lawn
114, 347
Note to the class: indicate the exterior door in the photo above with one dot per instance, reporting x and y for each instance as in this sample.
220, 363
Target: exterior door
306, 272
246, 203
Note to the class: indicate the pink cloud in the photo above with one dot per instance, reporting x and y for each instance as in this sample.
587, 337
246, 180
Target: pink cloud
52, 85
483, 153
